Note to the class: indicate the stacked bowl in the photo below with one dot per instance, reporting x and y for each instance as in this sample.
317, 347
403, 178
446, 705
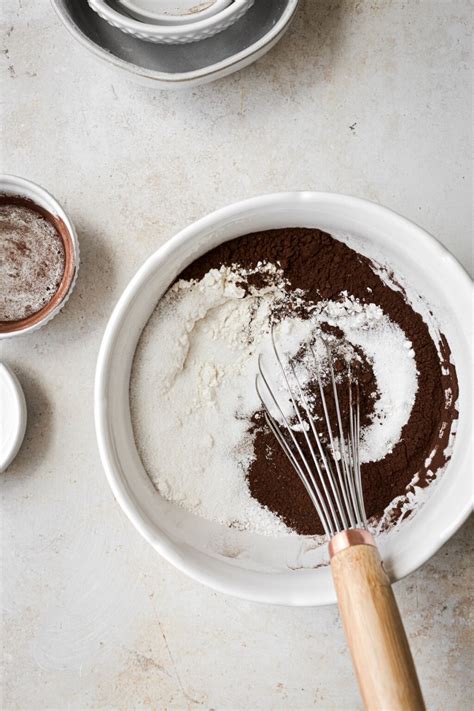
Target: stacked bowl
171, 21
176, 48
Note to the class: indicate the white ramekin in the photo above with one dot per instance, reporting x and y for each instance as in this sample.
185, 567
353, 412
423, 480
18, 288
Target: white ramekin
146, 11
15, 186
286, 571
173, 34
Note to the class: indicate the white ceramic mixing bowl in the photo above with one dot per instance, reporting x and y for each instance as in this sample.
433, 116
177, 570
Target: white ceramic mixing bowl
240, 563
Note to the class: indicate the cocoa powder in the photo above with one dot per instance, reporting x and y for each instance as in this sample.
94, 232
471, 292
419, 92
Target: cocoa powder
32, 258
323, 267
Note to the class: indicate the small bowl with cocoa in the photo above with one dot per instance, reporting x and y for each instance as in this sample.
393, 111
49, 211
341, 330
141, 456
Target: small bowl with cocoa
39, 256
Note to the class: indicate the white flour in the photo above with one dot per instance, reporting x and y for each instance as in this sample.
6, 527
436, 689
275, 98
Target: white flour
193, 386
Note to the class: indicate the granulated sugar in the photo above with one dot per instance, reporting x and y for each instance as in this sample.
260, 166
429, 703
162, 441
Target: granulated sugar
193, 384
392, 358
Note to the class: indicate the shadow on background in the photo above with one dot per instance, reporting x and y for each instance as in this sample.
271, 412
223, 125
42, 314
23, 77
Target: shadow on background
90, 303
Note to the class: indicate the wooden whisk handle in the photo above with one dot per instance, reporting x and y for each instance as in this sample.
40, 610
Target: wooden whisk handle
373, 626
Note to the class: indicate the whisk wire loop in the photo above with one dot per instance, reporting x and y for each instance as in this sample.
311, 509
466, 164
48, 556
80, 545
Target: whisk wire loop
308, 477
300, 471
340, 479
330, 473
325, 463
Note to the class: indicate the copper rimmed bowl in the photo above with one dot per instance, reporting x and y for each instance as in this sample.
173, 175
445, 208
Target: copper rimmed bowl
11, 186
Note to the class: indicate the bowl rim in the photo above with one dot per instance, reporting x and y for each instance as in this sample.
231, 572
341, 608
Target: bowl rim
22, 187
18, 396
183, 78
221, 581
132, 25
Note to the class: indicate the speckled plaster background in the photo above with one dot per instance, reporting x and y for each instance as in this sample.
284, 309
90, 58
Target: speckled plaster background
370, 98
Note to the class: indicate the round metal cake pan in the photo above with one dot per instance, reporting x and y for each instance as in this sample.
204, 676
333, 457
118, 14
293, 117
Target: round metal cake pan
180, 66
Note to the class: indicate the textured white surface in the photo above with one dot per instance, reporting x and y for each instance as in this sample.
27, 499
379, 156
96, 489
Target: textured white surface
369, 98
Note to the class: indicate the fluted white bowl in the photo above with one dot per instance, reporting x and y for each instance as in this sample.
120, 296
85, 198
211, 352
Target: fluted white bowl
171, 12
172, 34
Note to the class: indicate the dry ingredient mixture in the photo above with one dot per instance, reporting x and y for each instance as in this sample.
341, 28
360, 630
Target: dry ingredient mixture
32, 259
198, 420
